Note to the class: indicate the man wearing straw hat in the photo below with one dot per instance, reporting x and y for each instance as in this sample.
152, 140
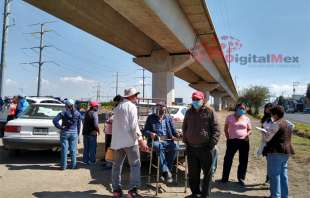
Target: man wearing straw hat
126, 140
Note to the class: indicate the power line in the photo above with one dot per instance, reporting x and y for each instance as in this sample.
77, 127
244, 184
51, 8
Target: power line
6, 13
98, 92
143, 77
40, 62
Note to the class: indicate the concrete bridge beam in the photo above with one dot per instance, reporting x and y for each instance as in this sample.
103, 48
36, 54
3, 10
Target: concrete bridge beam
163, 66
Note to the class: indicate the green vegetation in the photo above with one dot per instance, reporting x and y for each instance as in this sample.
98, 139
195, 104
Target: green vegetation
301, 146
308, 91
302, 129
254, 97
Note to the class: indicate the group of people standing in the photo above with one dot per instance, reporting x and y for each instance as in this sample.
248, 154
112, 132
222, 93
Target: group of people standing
201, 133
10, 109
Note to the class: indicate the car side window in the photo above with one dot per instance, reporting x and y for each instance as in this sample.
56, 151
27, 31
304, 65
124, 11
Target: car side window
50, 102
183, 111
30, 101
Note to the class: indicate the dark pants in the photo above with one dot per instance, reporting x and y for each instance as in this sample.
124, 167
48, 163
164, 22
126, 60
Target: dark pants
199, 159
2, 127
90, 146
234, 145
108, 140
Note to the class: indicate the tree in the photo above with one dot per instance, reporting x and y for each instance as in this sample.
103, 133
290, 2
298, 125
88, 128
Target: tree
254, 97
281, 100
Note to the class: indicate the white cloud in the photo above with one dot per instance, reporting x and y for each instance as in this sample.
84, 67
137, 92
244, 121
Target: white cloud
77, 79
286, 89
45, 82
9, 81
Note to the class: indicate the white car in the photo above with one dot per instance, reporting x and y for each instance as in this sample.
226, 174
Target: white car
42, 100
34, 129
177, 112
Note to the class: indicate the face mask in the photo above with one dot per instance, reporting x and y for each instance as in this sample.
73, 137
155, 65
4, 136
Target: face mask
240, 112
160, 112
197, 104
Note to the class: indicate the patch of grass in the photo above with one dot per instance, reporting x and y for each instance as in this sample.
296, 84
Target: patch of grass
301, 146
302, 127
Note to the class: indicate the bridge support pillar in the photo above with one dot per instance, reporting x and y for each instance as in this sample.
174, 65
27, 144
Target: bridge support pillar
218, 103
163, 86
207, 95
219, 100
224, 103
163, 66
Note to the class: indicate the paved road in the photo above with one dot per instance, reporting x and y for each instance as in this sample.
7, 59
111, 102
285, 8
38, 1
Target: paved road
299, 117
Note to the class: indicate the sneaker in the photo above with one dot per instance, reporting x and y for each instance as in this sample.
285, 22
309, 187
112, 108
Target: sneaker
241, 182
117, 193
224, 181
193, 196
133, 193
169, 177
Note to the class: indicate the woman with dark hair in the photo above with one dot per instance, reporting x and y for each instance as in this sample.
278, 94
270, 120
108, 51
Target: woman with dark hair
237, 131
278, 150
267, 115
266, 122
108, 131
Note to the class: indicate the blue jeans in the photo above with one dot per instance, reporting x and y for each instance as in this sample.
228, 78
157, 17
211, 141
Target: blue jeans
90, 146
277, 172
167, 151
133, 156
215, 155
68, 141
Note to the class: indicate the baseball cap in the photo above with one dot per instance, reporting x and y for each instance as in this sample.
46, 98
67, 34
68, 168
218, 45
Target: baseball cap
198, 95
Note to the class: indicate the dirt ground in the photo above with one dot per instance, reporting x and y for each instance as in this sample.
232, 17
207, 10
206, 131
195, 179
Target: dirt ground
36, 174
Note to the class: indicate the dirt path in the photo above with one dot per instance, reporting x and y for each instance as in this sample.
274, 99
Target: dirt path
36, 174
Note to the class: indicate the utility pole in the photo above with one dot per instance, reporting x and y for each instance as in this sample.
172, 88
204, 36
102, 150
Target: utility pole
41, 48
295, 84
98, 92
40, 59
116, 84
6, 13
143, 77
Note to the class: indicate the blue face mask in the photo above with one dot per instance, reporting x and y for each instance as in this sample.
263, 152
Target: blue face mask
197, 104
240, 112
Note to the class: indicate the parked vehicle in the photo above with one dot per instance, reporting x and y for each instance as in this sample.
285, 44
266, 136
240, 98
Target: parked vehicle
42, 100
177, 112
34, 129
307, 110
146, 108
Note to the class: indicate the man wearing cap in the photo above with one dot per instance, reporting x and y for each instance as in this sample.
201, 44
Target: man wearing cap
126, 140
160, 128
90, 131
200, 134
69, 130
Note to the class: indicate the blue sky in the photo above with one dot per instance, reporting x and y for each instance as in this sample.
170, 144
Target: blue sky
83, 61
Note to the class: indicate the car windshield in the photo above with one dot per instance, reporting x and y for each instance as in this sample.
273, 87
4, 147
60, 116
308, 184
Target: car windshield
173, 110
42, 111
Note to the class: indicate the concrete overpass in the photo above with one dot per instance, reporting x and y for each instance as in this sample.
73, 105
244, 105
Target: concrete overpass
167, 37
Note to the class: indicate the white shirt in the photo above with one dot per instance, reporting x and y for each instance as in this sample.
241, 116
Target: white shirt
125, 126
